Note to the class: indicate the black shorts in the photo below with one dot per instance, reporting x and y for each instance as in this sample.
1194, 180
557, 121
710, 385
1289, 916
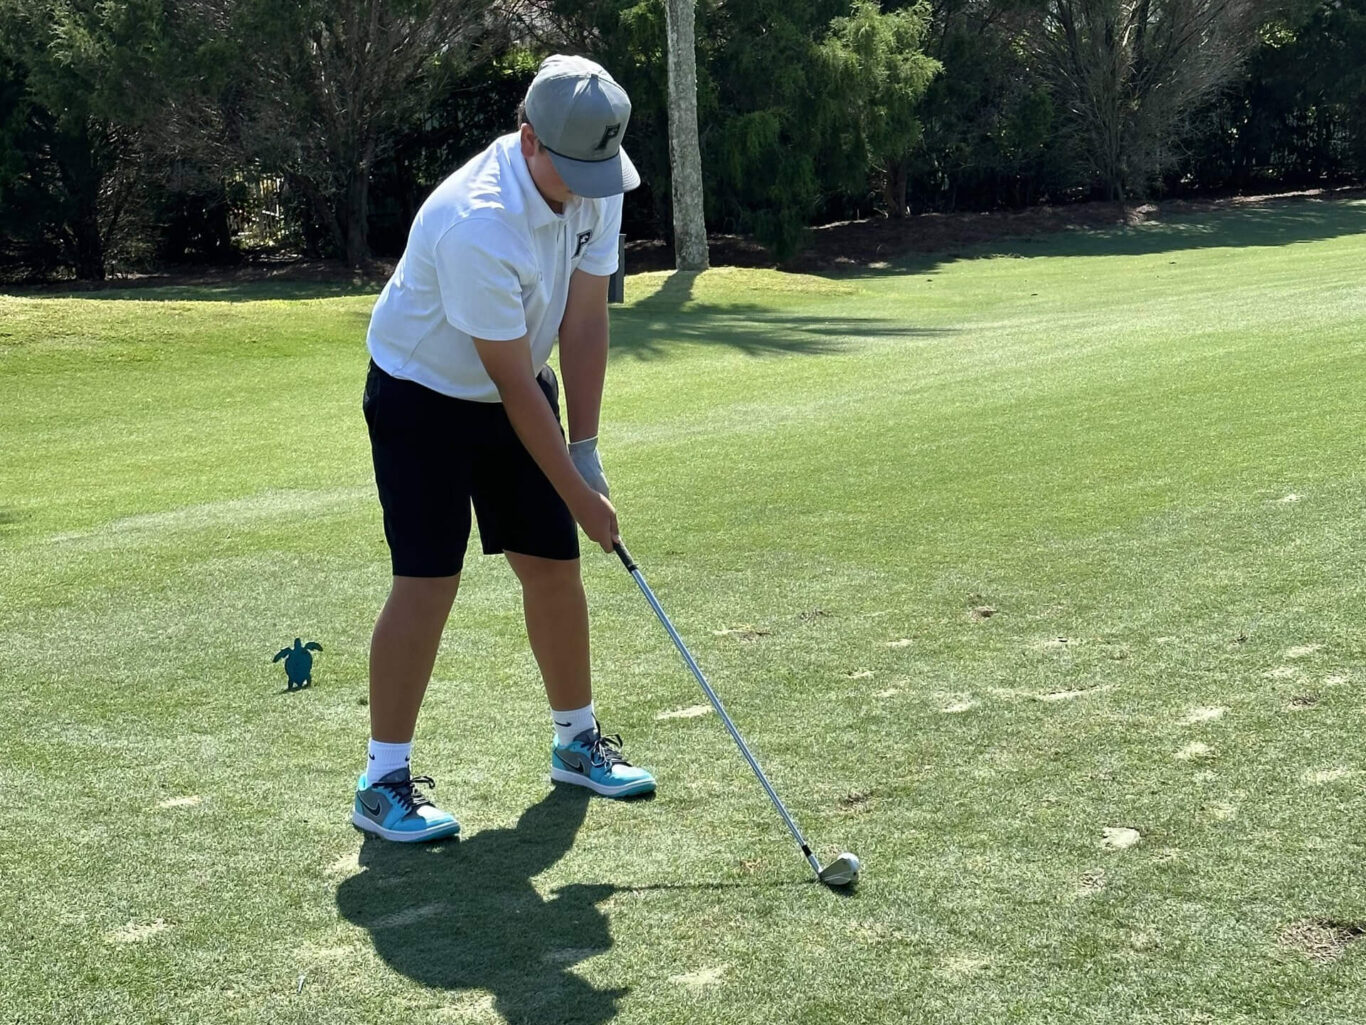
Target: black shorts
434, 454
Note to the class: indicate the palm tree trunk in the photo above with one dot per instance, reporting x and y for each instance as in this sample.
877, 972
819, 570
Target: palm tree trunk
685, 153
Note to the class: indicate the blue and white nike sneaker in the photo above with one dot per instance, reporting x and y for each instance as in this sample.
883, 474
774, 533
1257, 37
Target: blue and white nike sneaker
594, 761
393, 807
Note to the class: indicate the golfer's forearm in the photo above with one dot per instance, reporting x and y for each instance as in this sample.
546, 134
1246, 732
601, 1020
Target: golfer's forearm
535, 425
583, 367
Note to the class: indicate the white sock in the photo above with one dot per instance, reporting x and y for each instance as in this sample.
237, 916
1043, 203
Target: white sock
386, 758
569, 725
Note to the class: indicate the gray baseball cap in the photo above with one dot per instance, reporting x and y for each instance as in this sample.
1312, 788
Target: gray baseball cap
580, 113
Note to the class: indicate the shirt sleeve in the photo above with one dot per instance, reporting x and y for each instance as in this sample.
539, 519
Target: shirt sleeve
481, 291
600, 257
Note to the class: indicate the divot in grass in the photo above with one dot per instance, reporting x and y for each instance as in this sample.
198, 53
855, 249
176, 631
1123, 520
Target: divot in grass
1141, 941
1320, 776
189, 801
408, 916
1282, 673
960, 705
859, 674
135, 933
1195, 751
1322, 940
1336, 680
1199, 715
855, 802
871, 932
346, 865
1070, 695
1119, 838
691, 712
904, 642
745, 632
890, 692
1300, 651
958, 966
700, 979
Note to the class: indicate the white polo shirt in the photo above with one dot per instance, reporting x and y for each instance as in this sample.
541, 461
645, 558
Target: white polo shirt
486, 258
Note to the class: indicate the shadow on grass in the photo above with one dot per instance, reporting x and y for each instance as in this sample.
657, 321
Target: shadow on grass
227, 292
9, 517
464, 915
1272, 223
669, 317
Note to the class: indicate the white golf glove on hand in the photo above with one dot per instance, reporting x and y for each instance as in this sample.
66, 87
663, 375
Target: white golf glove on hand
589, 464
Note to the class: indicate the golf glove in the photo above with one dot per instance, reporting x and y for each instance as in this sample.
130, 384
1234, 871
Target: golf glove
589, 464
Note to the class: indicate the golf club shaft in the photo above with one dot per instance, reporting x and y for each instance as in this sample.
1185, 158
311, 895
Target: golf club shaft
630, 564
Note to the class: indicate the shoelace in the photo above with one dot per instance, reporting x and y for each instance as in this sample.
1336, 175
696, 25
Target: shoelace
406, 792
606, 751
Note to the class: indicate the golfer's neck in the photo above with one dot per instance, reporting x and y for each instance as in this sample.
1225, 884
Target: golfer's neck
556, 205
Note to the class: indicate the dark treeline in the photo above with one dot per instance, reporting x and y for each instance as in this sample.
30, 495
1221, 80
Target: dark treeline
148, 133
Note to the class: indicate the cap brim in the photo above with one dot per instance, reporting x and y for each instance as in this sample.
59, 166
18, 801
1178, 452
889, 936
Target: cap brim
597, 179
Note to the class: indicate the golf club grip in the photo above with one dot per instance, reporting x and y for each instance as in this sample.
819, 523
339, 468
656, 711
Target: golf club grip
624, 555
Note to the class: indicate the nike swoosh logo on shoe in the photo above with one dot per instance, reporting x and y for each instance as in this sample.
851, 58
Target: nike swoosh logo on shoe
572, 760
558, 723
374, 812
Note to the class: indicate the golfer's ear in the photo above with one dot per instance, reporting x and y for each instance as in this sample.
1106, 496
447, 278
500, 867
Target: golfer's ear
528, 140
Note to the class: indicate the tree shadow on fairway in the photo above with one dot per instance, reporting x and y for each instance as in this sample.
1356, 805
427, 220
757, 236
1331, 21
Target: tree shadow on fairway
464, 915
670, 317
1279, 223
1267, 223
674, 292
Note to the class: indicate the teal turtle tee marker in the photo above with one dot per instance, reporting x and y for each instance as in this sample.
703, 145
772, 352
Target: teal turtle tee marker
298, 663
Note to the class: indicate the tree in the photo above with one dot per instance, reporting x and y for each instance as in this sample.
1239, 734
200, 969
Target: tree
883, 73
314, 90
774, 130
1129, 73
1301, 115
82, 78
685, 155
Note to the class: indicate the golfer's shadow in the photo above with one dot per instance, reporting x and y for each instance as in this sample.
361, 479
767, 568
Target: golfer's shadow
464, 915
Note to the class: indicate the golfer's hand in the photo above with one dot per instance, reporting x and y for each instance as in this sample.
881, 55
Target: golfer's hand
598, 518
589, 464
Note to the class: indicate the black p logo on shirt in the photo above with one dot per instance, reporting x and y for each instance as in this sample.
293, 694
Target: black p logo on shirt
584, 238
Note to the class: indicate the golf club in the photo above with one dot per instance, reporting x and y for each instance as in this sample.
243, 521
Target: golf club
843, 871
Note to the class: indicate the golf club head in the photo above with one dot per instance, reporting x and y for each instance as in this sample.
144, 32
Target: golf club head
843, 871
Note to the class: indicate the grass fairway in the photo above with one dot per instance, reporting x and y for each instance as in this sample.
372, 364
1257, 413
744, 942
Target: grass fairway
1033, 576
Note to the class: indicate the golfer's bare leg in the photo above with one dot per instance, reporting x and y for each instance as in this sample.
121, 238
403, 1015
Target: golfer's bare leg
403, 651
556, 613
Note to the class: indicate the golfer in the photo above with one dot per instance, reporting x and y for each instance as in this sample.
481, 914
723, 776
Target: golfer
512, 250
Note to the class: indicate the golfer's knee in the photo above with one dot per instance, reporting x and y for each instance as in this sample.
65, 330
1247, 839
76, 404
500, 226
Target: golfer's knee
538, 574
420, 594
